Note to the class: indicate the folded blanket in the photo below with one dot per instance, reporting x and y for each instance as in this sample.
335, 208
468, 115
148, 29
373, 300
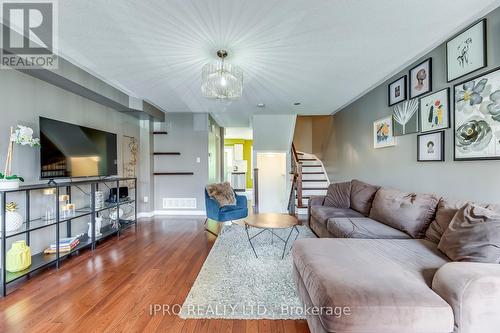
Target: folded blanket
222, 193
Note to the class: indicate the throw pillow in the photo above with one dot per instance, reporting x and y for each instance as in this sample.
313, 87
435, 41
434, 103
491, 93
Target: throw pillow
222, 193
473, 235
338, 195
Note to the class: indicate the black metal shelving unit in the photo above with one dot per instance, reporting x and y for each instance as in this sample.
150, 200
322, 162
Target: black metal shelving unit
30, 225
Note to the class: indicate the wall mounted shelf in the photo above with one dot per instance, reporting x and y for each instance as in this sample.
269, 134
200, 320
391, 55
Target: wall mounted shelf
174, 173
166, 153
159, 133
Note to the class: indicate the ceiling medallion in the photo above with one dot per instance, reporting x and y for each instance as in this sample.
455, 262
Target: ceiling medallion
221, 80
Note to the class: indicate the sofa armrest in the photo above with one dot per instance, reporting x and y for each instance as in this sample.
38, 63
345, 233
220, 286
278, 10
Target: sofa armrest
316, 200
473, 292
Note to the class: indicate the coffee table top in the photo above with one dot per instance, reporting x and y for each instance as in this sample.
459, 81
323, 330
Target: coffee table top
271, 221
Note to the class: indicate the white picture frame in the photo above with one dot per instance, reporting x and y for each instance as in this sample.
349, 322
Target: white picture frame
383, 133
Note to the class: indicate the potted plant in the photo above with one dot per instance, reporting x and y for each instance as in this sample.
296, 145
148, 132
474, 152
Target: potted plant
23, 136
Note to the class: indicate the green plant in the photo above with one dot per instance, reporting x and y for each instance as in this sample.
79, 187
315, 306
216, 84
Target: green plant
12, 177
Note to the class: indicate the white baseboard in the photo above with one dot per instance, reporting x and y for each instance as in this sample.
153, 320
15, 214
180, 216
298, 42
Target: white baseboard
172, 213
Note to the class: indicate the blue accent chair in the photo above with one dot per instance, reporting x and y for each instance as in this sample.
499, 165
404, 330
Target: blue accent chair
226, 213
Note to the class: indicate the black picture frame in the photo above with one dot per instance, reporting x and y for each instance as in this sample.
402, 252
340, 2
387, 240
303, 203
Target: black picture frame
443, 146
450, 106
410, 83
405, 96
485, 49
455, 158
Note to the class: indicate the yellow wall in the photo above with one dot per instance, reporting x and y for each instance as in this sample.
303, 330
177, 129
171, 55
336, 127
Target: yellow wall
247, 155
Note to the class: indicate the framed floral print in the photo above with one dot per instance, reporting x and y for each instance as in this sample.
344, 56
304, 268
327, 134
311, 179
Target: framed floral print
421, 79
466, 52
434, 111
430, 147
477, 118
397, 91
383, 135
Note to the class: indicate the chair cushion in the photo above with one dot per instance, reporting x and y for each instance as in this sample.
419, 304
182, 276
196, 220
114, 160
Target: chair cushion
446, 210
384, 283
338, 195
473, 235
323, 213
362, 227
408, 212
230, 213
361, 196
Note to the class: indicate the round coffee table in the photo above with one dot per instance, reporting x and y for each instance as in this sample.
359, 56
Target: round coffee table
270, 222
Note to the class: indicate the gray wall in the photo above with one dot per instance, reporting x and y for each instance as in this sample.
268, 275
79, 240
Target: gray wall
187, 134
25, 98
349, 151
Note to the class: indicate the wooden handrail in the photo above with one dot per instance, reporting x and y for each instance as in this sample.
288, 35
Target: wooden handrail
296, 181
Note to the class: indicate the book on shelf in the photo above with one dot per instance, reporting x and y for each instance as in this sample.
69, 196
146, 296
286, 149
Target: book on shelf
65, 245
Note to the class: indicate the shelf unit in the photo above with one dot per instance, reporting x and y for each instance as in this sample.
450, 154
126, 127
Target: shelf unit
41, 260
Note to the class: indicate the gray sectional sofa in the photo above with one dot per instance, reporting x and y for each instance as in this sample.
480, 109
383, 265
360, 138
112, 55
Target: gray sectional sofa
377, 266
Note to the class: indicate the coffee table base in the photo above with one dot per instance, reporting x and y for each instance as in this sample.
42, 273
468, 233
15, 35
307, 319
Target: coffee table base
247, 227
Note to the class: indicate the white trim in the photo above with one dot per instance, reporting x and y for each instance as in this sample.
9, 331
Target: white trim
144, 215
180, 212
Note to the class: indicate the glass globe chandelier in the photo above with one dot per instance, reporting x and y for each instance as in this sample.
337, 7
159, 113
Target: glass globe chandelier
221, 80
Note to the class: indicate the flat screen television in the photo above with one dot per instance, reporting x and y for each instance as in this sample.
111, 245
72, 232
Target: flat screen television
69, 150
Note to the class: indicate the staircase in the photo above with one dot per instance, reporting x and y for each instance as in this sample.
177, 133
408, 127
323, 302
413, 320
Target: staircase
309, 178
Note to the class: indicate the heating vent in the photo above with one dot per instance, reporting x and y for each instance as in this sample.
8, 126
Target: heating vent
179, 203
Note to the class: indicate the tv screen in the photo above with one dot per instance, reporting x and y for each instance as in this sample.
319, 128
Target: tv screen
69, 150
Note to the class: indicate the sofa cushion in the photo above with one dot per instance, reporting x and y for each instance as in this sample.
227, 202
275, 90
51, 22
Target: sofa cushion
362, 227
323, 213
384, 283
473, 235
408, 212
338, 195
362, 196
446, 210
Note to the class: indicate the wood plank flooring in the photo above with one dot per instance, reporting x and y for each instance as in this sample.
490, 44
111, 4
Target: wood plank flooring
112, 289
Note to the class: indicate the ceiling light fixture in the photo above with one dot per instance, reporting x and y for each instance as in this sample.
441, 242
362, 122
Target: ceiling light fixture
221, 80
261, 105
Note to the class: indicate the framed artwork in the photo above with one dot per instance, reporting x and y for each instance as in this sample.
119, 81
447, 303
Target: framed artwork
421, 78
430, 147
405, 118
435, 111
383, 135
466, 52
477, 118
397, 91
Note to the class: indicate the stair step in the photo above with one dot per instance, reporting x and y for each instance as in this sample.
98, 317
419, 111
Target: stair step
307, 159
313, 173
314, 188
313, 180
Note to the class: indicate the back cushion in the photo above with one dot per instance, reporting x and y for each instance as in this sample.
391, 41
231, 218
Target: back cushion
446, 210
409, 212
338, 195
362, 195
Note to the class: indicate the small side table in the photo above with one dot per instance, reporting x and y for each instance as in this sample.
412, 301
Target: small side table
270, 222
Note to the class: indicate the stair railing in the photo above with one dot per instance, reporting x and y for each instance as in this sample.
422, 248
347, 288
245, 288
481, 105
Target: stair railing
296, 182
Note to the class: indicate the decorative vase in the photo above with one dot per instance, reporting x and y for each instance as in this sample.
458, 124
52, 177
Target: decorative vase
18, 257
13, 221
9, 184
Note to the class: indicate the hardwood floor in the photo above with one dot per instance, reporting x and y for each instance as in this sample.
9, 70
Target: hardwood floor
112, 289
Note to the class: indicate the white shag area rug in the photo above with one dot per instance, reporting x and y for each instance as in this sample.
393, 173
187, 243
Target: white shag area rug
233, 284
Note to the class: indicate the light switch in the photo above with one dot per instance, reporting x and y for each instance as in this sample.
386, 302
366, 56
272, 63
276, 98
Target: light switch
198, 160
146, 199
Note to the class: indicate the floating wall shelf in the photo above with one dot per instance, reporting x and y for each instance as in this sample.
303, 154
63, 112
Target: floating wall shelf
174, 173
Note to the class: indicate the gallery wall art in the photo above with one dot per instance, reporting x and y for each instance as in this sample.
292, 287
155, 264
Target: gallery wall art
383, 135
430, 147
466, 52
405, 116
477, 117
397, 91
421, 78
435, 111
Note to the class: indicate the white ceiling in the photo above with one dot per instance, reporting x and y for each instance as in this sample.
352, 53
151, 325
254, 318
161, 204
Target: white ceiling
322, 53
